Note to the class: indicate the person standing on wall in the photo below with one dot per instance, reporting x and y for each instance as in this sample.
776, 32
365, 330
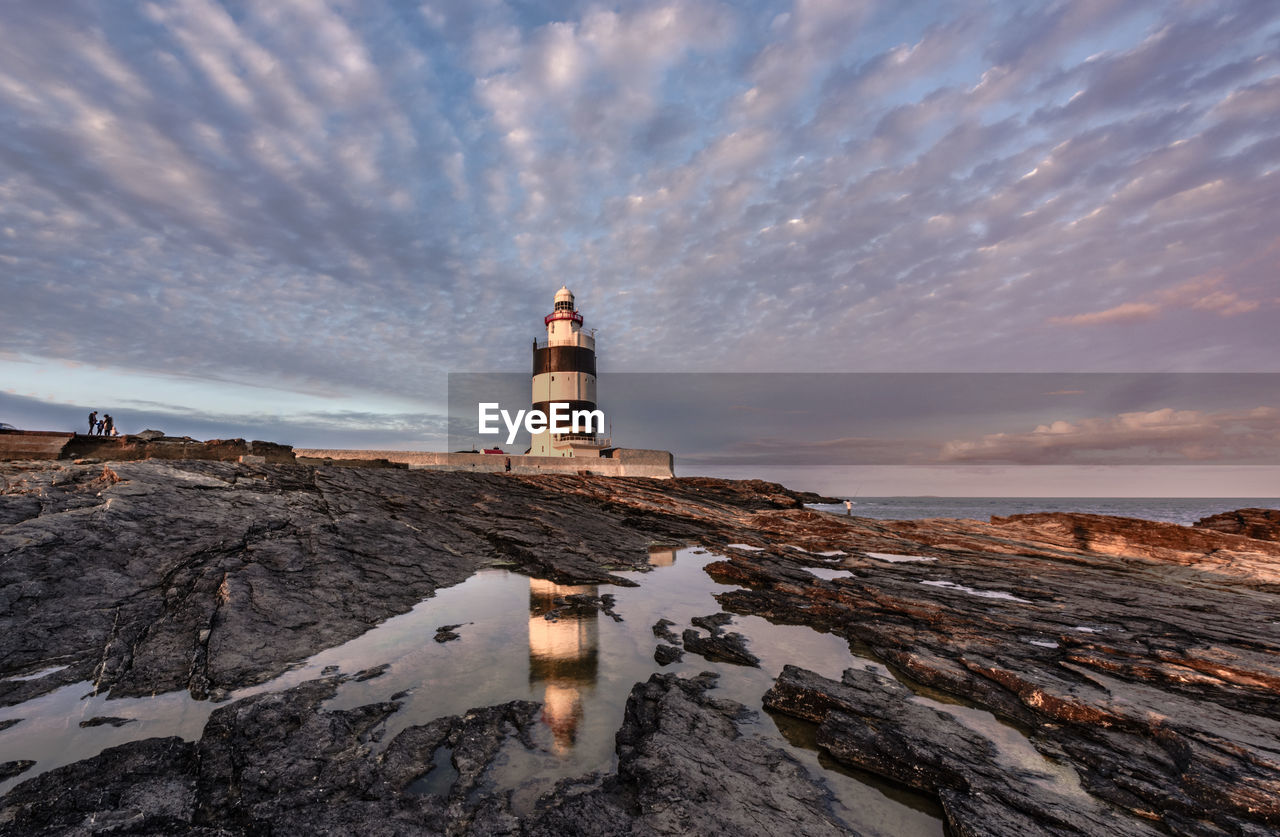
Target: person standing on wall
93, 421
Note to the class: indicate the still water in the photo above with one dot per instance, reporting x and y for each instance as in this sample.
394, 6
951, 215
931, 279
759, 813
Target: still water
580, 665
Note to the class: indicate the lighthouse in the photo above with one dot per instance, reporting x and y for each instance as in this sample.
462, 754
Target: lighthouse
564, 372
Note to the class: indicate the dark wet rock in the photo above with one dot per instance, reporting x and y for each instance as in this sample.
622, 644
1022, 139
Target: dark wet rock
719, 646
256, 755
724, 648
607, 602
328, 670
713, 624
370, 673
662, 630
869, 720
448, 633
17, 508
1260, 524
1142, 655
144, 787
280, 764
684, 768
580, 603
279, 761
32, 490
107, 720
667, 654
9, 769
8, 722
146, 577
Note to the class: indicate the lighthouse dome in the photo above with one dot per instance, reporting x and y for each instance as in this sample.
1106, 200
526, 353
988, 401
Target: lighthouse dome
564, 299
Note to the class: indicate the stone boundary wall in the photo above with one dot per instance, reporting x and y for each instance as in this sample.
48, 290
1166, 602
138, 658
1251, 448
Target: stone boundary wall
45, 445
32, 444
123, 448
621, 462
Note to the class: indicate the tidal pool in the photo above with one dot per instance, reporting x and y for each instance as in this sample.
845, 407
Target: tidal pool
580, 665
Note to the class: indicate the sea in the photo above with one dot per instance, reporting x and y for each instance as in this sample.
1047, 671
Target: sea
1183, 510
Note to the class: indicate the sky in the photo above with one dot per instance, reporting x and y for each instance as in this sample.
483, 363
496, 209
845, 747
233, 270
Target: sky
293, 220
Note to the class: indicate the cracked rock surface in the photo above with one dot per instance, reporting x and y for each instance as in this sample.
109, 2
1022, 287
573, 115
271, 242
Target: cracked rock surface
146, 577
684, 768
869, 720
281, 764
1143, 658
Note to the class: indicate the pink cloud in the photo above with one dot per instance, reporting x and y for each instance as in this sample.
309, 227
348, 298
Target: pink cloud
1156, 435
1203, 293
1226, 304
1125, 312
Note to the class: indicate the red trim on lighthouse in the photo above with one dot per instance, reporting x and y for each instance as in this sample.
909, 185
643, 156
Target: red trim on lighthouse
562, 315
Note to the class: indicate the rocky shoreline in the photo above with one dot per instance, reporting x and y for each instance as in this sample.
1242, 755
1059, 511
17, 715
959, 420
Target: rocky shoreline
1141, 659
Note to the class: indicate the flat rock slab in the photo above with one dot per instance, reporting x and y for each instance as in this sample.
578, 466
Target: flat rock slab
278, 763
684, 768
721, 648
662, 630
869, 720
448, 633
148, 577
281, 764
103, 720
1144, 656
1259, 524
665, 655
9, 769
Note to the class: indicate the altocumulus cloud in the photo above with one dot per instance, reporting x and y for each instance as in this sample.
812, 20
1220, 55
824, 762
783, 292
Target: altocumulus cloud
356, 197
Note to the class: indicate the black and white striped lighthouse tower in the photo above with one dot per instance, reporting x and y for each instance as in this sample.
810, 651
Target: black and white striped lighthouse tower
564, 371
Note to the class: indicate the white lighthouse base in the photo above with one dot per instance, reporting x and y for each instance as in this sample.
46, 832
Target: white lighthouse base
617, 462
583, 445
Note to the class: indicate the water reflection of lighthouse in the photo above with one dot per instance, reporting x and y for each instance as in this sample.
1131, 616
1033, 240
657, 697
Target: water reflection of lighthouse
564, 655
